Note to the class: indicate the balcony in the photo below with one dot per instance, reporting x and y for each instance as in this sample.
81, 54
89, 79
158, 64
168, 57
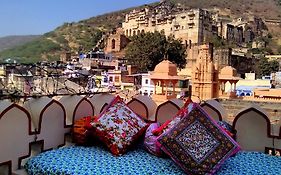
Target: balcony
44, 123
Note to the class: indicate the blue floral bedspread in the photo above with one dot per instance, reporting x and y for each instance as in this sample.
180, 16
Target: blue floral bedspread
97, 160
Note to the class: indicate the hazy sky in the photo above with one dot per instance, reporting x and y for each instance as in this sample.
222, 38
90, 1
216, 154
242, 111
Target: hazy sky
24, 17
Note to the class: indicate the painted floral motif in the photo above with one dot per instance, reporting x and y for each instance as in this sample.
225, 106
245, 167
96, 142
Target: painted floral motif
118, 127
197, 144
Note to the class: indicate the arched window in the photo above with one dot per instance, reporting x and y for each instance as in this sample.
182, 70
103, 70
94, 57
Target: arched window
113, 44
130, 33
142, 31
138, 32
127, 32
134, 32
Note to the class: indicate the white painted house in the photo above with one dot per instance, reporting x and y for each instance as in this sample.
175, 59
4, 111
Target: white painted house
147, 86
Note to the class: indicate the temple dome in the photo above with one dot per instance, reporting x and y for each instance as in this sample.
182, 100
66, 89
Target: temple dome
166, 67
228, 71
165, 70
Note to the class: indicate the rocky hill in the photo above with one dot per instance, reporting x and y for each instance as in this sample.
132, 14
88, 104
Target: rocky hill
84, 34
12, 41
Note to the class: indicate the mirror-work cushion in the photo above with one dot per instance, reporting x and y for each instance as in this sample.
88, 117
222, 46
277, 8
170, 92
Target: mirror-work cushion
197, 143
118, 126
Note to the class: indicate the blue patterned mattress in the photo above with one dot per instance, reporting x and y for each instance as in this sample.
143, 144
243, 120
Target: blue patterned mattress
98, 161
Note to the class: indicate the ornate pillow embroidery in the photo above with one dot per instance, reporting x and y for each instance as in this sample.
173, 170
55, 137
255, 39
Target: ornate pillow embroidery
197, 144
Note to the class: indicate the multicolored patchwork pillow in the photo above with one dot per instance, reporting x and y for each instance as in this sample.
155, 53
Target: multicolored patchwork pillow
118, 126
150, 141
188, 106
197, 143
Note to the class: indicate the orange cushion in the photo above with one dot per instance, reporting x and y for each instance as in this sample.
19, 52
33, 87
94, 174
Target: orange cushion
80, 131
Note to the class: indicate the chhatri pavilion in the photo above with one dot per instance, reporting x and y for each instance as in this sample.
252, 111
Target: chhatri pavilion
165, 74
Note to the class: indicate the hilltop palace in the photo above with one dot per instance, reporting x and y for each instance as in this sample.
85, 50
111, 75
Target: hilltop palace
193, 27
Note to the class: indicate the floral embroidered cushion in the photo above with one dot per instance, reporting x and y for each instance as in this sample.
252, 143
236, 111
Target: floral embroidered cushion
150, 141
188, 106
118, 126
197, 143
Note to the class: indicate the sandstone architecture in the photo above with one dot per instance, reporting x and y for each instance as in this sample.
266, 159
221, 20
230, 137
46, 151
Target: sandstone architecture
208, 81
165, 74
194, 27
115, 43
191, 26
205, 75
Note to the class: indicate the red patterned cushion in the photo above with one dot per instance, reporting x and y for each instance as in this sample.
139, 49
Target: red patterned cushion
188, 106
118, 126
197, 143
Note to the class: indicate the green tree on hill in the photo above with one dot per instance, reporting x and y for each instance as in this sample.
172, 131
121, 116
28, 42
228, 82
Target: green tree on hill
265, 67
146, 50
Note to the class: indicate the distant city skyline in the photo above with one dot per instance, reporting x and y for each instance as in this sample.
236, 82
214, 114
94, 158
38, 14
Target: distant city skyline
33, 17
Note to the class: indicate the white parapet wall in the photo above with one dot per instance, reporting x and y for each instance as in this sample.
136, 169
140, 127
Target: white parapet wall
45, 121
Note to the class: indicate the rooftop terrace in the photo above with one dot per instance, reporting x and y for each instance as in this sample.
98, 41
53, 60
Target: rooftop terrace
44, 123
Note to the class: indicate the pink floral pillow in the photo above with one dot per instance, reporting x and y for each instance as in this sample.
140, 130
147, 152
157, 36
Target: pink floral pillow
118, 126
150, 141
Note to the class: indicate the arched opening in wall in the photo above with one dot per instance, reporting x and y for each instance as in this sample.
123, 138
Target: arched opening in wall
248, 94
113, 44
127, 32
242, 94
130, 32
138, 32
142, 31
134, 32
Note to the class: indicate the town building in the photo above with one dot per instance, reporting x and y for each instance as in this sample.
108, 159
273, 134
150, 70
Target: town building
115, 44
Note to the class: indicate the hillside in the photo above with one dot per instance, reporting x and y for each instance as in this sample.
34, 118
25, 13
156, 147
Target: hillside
12, 41
266, 9
84, 35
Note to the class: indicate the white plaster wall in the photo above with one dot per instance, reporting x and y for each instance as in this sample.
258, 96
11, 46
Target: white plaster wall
52, 127
34, 106
252, 132
99, 100
14, 136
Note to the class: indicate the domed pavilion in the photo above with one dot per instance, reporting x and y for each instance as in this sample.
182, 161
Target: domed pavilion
228, 74
165, 74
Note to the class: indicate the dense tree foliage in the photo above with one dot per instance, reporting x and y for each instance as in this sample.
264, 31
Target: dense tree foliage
265, 67
146, 50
